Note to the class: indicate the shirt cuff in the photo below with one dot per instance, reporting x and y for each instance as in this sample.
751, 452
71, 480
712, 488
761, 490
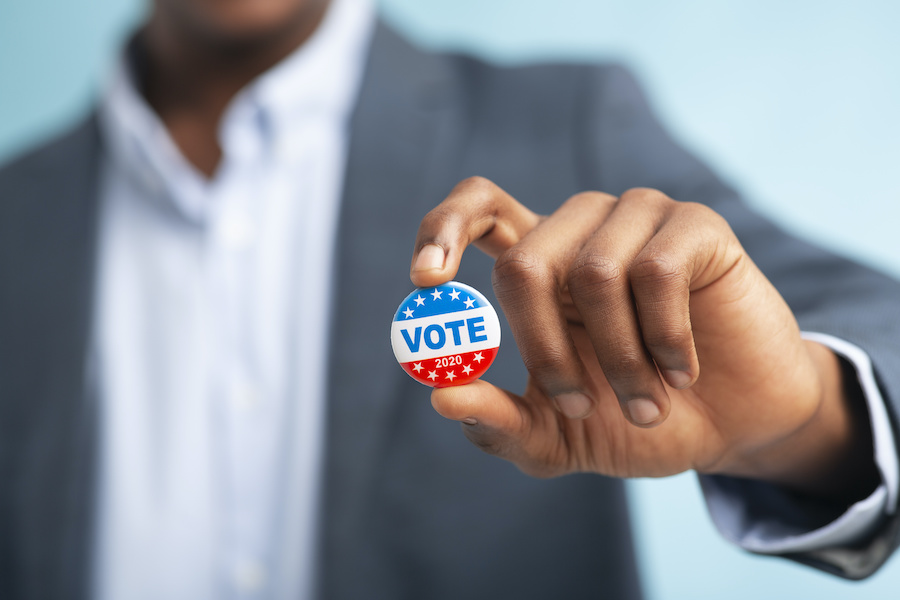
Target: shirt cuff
766, 519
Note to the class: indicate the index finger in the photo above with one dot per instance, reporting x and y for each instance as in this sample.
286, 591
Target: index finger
477, 212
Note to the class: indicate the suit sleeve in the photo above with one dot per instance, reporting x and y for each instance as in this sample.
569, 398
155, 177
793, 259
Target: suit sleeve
625, 146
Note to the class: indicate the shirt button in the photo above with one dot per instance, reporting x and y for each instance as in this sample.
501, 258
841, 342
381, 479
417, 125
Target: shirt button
245, 397
249, 576
237, 232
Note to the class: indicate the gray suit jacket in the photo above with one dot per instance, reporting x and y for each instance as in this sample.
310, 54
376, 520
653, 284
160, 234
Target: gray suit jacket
410, 510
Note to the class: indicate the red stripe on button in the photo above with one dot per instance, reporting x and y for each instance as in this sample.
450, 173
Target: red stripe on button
446, 371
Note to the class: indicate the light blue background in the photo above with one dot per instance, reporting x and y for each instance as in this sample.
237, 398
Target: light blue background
795, 102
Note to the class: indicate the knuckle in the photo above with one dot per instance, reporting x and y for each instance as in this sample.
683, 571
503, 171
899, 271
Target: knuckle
700, 213
591, 272
628, 363
658, 269
672, 337
476, 186
593, 197
439, 220
518, 267
546, 365
696, 208
646, 196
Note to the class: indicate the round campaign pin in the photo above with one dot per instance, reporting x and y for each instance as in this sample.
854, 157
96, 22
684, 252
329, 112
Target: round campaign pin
445, 335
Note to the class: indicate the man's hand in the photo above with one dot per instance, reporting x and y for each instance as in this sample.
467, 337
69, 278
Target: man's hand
653, 343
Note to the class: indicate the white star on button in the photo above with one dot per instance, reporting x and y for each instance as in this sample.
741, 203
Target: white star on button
436, 294
417, 367
467, 369
454, 295
409, 313
419, 300
470, 303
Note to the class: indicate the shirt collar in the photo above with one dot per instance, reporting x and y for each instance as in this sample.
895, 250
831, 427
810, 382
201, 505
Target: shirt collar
318, 81
323, 75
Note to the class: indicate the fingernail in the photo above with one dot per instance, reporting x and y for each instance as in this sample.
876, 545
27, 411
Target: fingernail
642, 411
470, 421
678, 379
431, 257
574, 405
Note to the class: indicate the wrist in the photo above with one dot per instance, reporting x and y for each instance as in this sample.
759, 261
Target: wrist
830, 455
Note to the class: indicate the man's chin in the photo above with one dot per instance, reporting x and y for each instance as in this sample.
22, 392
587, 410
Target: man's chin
244, 23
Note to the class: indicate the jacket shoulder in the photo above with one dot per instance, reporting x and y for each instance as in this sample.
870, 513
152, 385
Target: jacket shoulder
46, 191
527, 126
539, 88
68, 151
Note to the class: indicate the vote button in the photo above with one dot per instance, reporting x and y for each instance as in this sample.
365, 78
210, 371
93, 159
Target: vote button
445, 335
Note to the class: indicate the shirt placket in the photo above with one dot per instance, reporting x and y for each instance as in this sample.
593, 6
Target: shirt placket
245, 404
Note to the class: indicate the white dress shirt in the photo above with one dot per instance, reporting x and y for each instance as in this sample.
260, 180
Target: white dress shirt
210, 340
211, 331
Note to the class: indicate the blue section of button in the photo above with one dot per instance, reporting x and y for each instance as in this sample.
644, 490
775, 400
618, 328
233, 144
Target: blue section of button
446, 298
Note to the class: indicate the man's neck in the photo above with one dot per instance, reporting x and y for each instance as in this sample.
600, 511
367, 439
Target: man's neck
189, 79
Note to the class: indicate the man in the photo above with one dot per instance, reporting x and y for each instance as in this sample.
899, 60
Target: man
246, 198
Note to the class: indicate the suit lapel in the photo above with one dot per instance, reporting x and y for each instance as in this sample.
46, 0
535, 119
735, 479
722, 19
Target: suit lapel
47, 229
402, 126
